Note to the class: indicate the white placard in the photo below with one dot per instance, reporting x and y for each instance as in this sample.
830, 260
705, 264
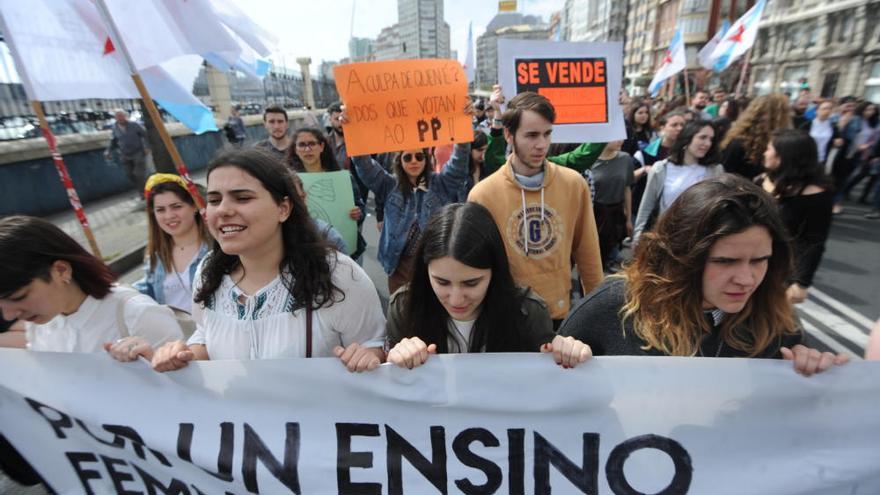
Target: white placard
507, 423
582, 79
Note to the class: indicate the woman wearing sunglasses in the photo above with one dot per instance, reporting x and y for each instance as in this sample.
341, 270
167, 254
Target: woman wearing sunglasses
412, 192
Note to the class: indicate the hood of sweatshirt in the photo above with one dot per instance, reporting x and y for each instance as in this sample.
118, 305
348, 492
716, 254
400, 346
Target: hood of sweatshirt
549, 174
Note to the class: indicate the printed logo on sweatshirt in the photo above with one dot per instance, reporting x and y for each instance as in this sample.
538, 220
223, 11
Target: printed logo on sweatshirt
544, 233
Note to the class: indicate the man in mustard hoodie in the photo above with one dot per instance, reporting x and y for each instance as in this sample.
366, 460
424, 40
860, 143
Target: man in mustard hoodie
543, 210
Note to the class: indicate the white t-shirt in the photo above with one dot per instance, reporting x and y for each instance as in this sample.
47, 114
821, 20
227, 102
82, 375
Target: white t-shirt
95, 323
821, 132
679, 178
178, 290
263, 326
459, 338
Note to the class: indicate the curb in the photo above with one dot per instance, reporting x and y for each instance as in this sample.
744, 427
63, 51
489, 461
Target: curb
128, 261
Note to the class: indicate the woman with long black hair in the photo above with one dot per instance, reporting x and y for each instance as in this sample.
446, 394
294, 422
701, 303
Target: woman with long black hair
462, 297
272, 287
797, 181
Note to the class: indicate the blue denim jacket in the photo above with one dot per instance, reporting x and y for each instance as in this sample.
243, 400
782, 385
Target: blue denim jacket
153, 282
443, 189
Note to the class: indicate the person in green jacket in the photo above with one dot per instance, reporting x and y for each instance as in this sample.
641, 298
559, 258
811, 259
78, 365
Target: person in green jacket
581, 158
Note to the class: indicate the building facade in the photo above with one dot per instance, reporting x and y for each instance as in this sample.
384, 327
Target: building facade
638, 48
361, 49
595, 20
388, 44
422, 30
504, 25
833, 48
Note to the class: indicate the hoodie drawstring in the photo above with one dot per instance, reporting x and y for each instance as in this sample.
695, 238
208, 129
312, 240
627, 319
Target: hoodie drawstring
525, 218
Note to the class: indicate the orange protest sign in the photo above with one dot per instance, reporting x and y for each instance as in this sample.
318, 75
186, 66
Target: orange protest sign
577, 87
403, 104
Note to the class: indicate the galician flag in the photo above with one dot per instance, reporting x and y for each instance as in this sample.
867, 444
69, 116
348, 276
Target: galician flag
673, 62
739, 38
705, 55
469, 57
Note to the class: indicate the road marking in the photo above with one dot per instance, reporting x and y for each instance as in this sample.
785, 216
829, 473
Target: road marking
844, 309
834, 322
827, 340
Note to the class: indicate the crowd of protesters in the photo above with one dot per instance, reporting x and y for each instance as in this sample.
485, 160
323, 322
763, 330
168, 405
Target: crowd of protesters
726, 204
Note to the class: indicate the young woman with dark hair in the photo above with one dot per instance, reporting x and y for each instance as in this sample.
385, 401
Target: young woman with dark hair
693, 157
177, 241
311, 152
639, 127
66, 300
462, 297
272, 287
728, 112
670, 126
797, 181
476, 166
709, 281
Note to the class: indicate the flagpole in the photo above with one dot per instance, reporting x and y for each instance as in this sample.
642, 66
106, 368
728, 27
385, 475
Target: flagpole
687, 88
742, 73
65, 178
57, 159
150, 105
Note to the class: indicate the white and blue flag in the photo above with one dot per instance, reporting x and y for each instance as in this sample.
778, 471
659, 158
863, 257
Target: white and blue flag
739, 38
674, 61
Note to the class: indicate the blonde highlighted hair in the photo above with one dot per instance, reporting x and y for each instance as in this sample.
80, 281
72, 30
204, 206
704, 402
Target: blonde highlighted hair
664, 295
757, 122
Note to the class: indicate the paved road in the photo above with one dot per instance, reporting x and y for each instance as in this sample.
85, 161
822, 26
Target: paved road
845, 299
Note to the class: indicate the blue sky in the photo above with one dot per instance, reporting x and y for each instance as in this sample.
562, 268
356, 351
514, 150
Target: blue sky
321, 28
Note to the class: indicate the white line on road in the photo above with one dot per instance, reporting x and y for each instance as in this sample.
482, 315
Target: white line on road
843, 328
827, 340
844, 309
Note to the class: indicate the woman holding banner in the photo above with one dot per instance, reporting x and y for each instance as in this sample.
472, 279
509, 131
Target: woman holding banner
272, 287
462, 297
412, 192
65, 297
710, 280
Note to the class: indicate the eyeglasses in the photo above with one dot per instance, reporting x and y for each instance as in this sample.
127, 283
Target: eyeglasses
307, 145
408, 157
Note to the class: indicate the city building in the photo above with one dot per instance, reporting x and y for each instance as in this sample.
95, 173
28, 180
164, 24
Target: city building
595, 20
388, 44
831, 47
504, 25
638, 49
361, 49
422, 30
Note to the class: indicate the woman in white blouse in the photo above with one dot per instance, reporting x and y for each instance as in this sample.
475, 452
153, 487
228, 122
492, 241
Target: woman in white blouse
272, 287
64, 298
694, 157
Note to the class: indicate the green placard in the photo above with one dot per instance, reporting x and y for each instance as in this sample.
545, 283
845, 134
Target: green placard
329, 197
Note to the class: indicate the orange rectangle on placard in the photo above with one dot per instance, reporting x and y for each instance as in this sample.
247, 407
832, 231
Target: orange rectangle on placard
403, 104
583, 105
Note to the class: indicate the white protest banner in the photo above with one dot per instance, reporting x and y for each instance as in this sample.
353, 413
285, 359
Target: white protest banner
490, 423
582, 80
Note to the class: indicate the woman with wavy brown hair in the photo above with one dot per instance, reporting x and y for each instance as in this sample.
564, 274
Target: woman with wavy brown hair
710, 280
744, 144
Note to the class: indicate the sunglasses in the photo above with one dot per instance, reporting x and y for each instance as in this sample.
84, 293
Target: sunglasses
408, 157
307, 145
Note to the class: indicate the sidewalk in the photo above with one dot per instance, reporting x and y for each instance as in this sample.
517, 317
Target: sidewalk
120, 226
